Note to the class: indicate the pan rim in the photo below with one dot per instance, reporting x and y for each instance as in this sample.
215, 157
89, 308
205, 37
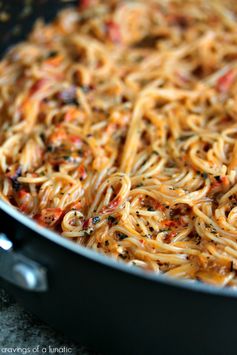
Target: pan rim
193, 286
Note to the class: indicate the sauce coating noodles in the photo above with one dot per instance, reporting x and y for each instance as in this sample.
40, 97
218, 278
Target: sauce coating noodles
118, 127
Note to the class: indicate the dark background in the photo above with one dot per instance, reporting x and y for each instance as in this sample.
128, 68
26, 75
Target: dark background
19, 328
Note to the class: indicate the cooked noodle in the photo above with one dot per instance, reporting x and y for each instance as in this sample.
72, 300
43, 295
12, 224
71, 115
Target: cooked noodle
118, 131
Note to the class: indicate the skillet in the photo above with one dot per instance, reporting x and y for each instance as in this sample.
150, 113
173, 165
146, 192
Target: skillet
106, 305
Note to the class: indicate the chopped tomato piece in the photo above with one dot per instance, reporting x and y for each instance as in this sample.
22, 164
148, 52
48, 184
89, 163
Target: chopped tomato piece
82, 171
69, 116
158, 206
58, 136
34, 175
75, 205
22, 193
37, 86
75, 139
74, 114
225, 81
113, 31
87, 223
170, 223
225, 180
49, 216
54, 61
168, 238
112, 205
24, 200
215, 185
84, 4
218, 182
111, 128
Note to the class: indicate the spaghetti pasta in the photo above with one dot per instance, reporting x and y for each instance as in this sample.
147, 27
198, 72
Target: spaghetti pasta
118, 127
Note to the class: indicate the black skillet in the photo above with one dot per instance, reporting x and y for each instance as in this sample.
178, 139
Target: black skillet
106, 305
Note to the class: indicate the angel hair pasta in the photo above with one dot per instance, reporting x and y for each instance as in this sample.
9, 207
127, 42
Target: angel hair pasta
118, 130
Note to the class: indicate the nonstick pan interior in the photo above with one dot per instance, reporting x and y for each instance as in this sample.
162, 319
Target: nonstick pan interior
18, 16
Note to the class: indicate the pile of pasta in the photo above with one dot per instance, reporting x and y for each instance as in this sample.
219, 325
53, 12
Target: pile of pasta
118, 130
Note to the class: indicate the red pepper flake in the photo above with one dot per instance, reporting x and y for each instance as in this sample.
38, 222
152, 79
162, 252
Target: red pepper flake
113, 30
225, 81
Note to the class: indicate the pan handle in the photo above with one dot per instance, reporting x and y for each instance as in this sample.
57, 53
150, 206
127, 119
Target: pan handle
19, 269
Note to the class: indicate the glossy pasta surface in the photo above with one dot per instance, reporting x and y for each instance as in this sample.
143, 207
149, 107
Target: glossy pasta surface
118, 129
